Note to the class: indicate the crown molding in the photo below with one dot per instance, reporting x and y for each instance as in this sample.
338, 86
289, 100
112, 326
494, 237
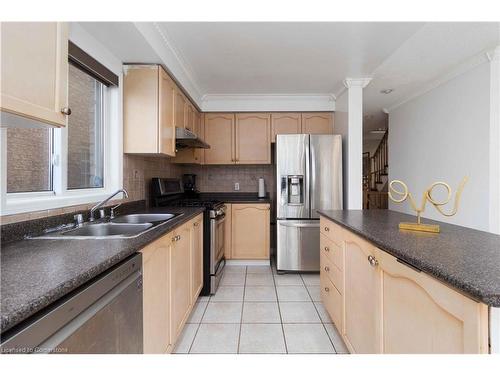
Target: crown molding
171, 58
357, 82
267, 102
458, 70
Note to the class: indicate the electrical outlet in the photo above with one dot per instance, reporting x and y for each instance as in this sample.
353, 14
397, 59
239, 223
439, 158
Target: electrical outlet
236, 186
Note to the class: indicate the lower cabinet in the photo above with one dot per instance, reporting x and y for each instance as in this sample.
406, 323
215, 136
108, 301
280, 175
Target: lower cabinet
156, 298
250, 231
197, 258
172, 281
228, 243
381, 305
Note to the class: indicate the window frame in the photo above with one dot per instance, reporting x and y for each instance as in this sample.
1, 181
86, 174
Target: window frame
61, 196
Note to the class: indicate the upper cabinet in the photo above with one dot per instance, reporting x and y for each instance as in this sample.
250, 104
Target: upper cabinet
285, 123
219, 134
253, 138
243, 138
180, 110
34, 71
317, 123
149, 96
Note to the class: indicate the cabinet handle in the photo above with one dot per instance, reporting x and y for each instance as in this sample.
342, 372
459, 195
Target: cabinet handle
327, 269
327, 248
195, 224
174, 238
66, 111
372, 260
327, 229
327, 289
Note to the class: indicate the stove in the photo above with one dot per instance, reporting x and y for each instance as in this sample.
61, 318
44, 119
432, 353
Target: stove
168, 192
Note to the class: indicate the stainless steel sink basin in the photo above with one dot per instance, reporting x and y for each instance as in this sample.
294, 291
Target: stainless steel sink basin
107, 230
143, 218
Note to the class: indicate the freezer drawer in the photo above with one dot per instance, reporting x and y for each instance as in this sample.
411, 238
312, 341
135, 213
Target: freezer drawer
298, 245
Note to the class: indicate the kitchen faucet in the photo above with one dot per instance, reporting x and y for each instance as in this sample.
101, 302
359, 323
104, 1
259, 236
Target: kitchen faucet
102, 203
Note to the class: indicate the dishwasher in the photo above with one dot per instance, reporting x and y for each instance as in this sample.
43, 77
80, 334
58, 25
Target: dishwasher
102, 317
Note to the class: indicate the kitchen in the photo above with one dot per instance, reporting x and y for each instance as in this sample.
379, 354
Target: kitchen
156, 200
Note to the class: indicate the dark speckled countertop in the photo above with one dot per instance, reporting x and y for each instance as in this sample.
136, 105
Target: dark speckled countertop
37, 272
466, 259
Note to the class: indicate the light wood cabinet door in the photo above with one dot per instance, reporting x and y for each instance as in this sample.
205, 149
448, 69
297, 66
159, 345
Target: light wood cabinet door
196, 257
285, 123
219, 134
166, 100
189, 117
250, 227
422, 315
253, 138
140, 109
34, 70
156, 301
180, 109
362, 297
227, 231
317, 123
180, 279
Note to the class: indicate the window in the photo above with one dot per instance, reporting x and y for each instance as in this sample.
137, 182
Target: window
78, 164
85, 131
29, 160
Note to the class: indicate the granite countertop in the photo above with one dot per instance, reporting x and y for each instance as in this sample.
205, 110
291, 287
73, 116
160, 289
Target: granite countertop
37, 272
234, 197
466, 259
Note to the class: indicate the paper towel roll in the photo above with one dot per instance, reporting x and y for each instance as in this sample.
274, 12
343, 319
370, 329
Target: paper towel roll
262, 188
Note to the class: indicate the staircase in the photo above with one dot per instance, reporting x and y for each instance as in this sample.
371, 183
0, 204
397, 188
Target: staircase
375, 177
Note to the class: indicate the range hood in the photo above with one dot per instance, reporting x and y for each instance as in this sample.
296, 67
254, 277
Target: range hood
186, 138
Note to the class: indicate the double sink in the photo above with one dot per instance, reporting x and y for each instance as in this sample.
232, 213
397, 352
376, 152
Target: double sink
125, 226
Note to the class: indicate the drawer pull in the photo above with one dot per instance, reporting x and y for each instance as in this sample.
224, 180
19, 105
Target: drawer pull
372, 260
327, 248
327, 269
327, 289
327, 229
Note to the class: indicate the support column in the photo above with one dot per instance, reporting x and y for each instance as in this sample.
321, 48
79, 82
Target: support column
354, 154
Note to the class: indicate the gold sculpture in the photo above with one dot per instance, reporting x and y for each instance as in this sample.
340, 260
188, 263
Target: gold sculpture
427, 196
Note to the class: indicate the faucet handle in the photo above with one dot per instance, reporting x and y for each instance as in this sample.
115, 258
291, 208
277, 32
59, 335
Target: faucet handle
102, 213
78, 220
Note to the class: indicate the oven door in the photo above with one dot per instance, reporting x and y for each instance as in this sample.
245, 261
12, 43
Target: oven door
217, 239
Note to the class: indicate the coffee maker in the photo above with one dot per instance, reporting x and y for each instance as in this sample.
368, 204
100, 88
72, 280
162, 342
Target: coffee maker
189, 183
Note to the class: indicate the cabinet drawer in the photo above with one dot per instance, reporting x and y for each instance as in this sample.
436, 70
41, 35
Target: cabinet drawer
332, 300
332, 251
332, 272
331, 230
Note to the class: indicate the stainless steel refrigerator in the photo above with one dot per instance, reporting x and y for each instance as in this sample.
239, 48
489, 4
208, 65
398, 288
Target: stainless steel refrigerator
308, 178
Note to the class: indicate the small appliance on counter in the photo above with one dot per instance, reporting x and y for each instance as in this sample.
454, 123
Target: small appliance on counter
189, 183
262, 188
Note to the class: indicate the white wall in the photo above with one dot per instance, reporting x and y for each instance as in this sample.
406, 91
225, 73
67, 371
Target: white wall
443, 135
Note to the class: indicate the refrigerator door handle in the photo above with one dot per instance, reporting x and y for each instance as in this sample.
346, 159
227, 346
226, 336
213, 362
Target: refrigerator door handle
308, 181
299, 225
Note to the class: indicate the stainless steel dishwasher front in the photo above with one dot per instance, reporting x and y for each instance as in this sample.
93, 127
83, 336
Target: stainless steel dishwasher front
104, 316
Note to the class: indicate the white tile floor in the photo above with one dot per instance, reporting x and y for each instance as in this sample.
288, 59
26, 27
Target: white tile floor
255, 310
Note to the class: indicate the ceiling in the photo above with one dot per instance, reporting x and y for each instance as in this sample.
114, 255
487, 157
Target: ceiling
213, 59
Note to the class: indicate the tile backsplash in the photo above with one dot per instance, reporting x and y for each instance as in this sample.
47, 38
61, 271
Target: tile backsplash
221, 178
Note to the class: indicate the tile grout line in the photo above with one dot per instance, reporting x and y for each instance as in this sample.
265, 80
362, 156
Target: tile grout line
242, 307
279, 310
199, 325
321, 320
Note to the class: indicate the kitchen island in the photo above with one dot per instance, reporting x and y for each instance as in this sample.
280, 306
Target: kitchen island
393, 291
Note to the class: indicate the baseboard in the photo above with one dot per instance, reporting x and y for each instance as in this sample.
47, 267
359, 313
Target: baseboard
248, 262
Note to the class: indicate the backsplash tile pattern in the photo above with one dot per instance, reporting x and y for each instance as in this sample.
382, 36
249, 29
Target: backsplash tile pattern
221, 178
